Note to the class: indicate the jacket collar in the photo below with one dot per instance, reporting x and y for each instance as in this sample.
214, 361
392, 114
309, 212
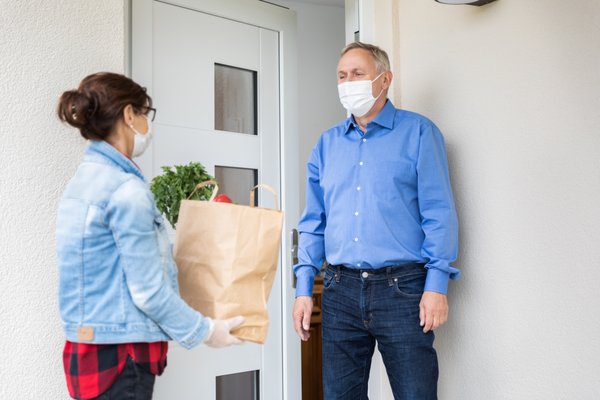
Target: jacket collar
103, 152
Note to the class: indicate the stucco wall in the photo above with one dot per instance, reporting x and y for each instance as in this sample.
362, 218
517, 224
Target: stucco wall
515, 86
46, 47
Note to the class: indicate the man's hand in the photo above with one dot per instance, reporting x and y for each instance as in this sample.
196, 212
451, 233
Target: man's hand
301, 316
433, 310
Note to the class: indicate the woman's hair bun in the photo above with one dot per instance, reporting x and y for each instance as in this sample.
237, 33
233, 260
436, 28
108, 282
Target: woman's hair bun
73, 108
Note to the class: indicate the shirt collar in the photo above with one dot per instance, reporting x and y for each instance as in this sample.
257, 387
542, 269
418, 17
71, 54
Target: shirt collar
385, 118
102, 151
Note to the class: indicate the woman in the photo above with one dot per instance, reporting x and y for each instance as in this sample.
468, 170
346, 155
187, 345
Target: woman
118, 293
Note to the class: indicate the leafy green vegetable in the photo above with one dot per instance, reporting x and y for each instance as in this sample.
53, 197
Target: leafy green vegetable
175, 185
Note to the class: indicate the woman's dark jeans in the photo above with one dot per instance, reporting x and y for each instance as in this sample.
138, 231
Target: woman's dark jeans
362, 307
134, 383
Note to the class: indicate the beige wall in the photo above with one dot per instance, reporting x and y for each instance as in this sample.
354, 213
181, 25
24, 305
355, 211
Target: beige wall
46, 47
515, 88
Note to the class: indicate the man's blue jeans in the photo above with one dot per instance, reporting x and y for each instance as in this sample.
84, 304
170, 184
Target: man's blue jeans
361, 307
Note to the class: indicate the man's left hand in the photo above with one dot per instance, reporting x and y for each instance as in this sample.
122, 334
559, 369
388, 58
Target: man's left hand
433, 310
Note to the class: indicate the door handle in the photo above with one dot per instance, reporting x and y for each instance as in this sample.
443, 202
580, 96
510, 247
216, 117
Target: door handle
294, 252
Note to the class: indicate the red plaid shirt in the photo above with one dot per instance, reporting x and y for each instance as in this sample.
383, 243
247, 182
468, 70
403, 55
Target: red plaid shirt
91, 369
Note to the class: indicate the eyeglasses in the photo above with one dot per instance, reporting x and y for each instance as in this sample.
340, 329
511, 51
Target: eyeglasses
150, 112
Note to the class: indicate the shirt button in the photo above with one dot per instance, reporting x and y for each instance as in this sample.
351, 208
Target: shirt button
360, 163
364, 140
356, 239
358, 188
358, 265
365, 274
356, 213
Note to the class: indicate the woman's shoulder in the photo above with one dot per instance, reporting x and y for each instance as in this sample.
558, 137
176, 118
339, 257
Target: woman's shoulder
97, 183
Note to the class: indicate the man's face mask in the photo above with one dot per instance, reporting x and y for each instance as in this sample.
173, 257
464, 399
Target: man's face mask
357, 96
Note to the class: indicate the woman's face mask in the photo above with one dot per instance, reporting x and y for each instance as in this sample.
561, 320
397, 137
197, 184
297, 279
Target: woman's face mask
141, 141
357, 96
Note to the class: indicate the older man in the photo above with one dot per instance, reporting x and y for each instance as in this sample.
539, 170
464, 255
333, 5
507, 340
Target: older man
380, 210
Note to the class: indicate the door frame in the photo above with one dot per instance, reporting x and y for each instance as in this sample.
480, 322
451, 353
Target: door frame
283, 21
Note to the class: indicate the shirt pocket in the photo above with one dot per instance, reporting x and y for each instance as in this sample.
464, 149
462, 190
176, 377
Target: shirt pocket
393, 177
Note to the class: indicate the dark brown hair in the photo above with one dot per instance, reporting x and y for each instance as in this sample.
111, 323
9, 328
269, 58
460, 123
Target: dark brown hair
97, 105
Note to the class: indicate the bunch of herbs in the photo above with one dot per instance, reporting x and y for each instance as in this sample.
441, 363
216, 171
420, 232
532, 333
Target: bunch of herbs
176, 184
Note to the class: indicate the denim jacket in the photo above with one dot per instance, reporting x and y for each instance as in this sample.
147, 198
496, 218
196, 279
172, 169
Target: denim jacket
118, 280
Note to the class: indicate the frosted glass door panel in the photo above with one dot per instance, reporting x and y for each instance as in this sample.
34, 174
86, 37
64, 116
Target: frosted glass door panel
235, 99
241, 386
236, 183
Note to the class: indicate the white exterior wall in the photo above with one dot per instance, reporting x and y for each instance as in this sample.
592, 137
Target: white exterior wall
46, 47
514, 87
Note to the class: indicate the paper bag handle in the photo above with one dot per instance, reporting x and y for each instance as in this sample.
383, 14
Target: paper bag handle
204, 184
264, 186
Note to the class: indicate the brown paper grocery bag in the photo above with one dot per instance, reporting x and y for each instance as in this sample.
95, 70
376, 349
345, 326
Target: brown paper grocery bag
227, 257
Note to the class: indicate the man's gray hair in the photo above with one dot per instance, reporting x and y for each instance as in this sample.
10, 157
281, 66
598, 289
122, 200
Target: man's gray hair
382, 62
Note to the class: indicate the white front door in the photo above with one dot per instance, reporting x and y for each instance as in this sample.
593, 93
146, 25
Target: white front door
215, 83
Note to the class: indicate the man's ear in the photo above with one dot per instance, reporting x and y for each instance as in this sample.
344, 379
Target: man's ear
387, 79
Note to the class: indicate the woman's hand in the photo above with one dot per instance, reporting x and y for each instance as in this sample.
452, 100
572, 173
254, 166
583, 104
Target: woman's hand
220, 335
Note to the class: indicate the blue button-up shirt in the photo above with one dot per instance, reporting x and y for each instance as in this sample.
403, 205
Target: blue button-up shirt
379, 198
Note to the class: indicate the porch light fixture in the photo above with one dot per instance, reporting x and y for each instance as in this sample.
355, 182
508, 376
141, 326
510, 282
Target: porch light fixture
466, 2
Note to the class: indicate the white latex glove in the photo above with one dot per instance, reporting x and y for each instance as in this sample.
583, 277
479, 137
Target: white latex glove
219, 332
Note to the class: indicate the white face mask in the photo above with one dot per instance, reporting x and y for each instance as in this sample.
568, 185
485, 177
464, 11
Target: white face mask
357, 96
141, 141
